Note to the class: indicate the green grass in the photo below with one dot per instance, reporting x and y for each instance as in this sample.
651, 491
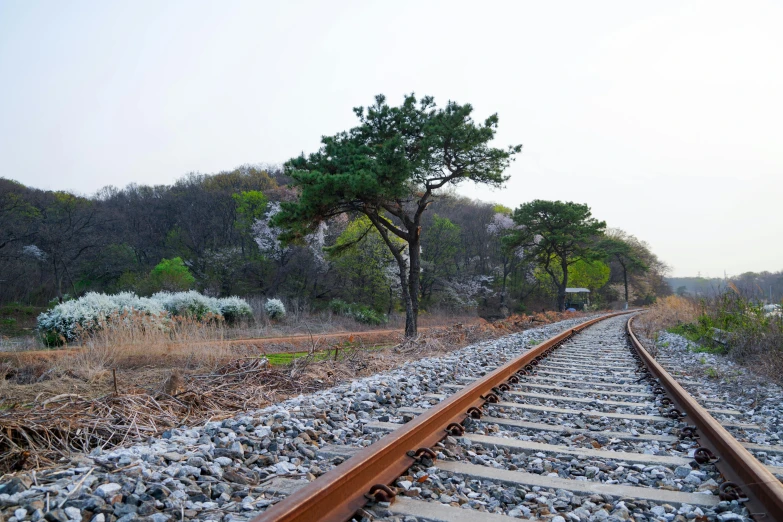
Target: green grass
17, 320
700, 335
687, 330
282, 359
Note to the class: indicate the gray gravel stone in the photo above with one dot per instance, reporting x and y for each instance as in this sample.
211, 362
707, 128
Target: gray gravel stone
235, 468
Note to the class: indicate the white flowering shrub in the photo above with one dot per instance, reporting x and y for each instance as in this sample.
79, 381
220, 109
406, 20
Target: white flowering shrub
266, 237
316, 242
127, 301
500, 224
234, 309
465, 293
188, 304
69, 320
274, 308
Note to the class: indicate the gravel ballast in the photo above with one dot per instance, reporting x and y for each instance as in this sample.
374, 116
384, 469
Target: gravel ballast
236, 468
714, 378
565, 448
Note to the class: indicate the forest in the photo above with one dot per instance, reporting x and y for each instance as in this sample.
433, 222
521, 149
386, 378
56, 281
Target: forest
215, 233
368, 225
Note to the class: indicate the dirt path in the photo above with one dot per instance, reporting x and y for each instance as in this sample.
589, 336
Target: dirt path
367, 336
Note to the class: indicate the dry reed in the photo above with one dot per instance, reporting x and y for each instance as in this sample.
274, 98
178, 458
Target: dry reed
665, 313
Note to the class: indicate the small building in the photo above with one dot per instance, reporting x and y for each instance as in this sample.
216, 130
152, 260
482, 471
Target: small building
577, 298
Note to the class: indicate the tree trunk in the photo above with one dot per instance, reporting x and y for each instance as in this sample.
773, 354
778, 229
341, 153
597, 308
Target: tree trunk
414, 277
561, 289
506, 270
560, 299
58, 279
410, 322
411, 309
391, 300
625, 281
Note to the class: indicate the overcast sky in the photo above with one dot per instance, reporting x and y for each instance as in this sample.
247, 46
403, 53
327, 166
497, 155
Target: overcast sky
665, 117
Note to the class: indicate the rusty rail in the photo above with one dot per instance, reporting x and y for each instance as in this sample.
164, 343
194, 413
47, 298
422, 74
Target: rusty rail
763, 490
339, 493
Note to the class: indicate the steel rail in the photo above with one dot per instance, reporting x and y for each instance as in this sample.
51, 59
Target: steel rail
339, 493
763, 490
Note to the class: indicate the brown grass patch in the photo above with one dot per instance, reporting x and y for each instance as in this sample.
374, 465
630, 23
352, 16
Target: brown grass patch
68, 404
665, 313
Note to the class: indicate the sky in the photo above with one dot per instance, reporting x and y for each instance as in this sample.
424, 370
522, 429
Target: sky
665, 117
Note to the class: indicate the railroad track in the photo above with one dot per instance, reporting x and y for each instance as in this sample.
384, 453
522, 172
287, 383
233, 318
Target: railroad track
585, 426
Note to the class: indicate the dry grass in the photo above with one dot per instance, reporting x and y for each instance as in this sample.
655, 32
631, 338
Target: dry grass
68, 404
305, 322
137, 340
665, 313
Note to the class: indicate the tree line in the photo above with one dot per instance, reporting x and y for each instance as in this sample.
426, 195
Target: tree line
765, 287
371, 218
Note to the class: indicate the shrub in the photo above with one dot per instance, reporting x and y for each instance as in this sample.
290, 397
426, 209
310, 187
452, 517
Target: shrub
367, 315
71, 320
339, 307
361, 313
233, 309
188, 304
274, 308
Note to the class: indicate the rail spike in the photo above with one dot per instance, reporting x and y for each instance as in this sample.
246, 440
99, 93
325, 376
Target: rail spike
381, 493
421, 453
731, 491
704, 456
689, 432
491, 397
455, 429
675, 414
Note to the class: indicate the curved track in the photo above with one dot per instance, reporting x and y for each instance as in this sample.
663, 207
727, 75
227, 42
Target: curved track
582, 418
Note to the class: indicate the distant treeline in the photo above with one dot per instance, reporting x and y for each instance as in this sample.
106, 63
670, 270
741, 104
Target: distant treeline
759, 286
213, 233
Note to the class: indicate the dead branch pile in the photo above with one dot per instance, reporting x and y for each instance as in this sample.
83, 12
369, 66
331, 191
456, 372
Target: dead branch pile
40, 433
